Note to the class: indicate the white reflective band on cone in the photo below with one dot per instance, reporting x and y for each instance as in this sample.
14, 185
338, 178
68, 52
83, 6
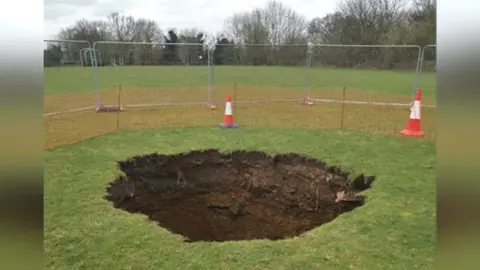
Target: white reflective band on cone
415, 110
228, 109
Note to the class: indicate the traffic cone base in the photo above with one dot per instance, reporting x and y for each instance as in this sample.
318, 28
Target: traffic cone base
411, 133
228, 126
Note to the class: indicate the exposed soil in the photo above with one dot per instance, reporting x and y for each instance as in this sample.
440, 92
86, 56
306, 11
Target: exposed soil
213, 196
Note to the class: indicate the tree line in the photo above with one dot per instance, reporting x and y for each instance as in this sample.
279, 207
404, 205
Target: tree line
354, 22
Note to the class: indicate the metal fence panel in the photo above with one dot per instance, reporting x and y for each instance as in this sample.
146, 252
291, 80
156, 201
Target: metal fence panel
151, 74
328, 86
67, 78
260, 72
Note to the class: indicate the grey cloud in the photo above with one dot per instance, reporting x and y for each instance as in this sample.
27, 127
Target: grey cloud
166, 10
54, 12
78, 3
105, 9
206, 15
56, 9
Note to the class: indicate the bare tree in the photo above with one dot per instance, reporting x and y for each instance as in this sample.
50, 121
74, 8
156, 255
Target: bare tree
424, 21
123, 28
354, 22
86, 30
275, 24
191, 54
129, 29
148, 31
284, 24
373, 18
373, 21
333, 28
247, 28
90, 31
424, 9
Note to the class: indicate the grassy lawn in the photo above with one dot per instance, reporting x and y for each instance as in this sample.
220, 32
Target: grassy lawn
83, 79
394, 230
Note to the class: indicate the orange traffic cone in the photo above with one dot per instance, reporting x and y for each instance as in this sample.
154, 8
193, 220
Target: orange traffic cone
228, 117
414, 125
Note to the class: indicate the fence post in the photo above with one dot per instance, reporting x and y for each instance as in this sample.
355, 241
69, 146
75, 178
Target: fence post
423, 54
343, 107
95, 75
81, 55
307, 70
416, 79
420, 69
210, 51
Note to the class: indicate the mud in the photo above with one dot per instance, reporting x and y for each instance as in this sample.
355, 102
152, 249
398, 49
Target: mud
214, 196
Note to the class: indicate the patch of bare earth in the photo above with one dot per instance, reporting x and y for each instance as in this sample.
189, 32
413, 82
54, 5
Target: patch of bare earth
213, 196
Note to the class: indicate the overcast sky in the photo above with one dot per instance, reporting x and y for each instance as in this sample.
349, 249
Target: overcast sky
207, 15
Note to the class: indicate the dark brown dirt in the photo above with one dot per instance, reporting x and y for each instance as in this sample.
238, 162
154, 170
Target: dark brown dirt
213, 196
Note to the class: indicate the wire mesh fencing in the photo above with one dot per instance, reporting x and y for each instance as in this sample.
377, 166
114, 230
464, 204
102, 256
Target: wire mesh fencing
261, 73
151, 74
67, 84
151, 85
363, 87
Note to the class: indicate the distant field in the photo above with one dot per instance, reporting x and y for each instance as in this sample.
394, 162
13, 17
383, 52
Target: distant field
85, 79
73, 88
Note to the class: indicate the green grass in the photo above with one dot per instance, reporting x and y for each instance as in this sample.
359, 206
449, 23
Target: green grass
67, 80
394, 230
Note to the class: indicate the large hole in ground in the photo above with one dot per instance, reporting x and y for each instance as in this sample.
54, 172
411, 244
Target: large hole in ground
213, 196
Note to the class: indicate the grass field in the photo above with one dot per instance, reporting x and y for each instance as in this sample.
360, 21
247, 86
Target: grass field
394, 230
69, 80
73, 88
